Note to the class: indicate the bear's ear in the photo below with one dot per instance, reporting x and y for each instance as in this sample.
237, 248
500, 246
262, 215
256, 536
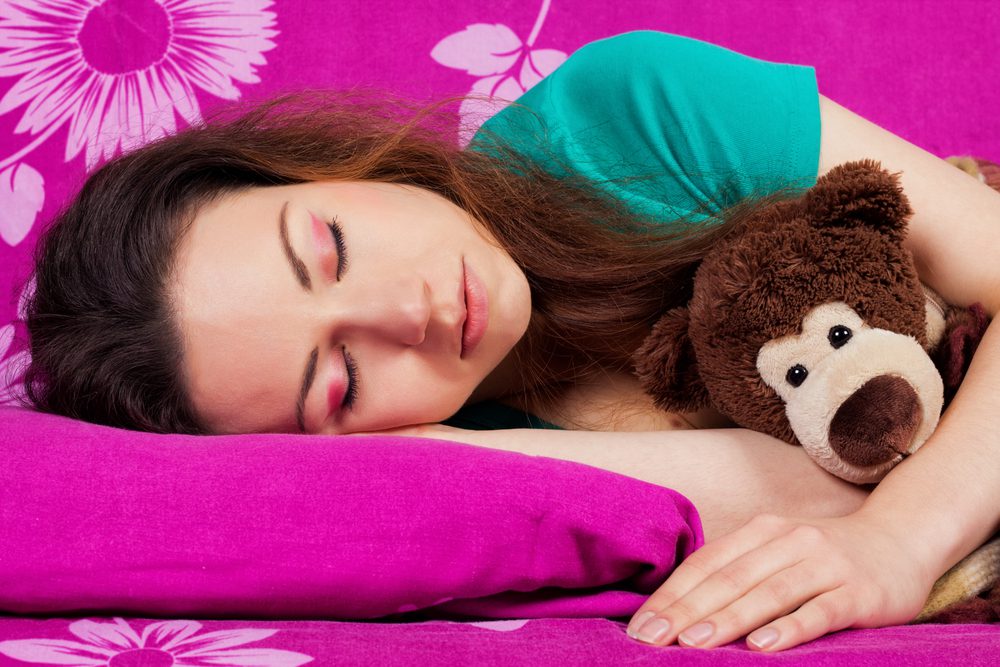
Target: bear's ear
859, 194
667, 368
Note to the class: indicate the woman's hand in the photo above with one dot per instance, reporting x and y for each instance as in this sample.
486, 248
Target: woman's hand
788, 581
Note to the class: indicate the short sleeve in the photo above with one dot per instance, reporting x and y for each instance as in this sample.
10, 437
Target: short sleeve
690, 126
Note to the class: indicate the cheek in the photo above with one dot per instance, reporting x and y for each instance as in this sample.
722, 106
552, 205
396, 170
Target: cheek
409, 390
515, 314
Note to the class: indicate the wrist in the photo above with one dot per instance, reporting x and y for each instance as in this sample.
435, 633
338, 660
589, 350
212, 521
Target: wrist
934, 540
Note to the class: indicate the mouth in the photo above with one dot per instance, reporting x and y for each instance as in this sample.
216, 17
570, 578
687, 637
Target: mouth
477, 311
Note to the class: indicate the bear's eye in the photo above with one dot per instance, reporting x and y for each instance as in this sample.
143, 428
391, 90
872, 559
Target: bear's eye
796, 375
838, 336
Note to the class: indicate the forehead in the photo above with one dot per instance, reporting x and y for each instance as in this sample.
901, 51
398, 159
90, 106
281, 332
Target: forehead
230, 288
228, 241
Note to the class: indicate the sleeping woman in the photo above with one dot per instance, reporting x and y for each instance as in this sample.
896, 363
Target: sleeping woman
329, 265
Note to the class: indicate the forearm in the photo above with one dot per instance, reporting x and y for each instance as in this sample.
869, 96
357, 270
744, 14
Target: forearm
948, 493
944, 500
731, 475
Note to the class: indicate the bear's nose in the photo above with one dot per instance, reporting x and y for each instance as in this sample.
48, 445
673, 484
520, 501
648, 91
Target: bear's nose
877, 422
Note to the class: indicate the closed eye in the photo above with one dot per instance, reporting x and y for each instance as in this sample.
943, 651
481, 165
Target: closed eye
337, 232
302, 275
351, 395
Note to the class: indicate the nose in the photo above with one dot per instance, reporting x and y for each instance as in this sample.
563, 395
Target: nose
877, 422
391, 308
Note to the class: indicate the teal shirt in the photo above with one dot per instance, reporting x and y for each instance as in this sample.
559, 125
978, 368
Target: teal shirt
695, 127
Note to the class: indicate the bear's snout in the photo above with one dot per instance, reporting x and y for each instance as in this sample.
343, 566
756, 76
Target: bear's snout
877, 422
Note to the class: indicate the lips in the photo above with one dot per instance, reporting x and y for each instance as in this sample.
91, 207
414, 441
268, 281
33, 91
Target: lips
477, 311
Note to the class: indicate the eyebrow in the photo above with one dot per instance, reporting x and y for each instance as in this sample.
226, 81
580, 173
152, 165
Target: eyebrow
307, 379
302, 274
298, 266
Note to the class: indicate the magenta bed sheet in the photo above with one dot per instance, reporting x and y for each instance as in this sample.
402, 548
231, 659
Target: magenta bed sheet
295, 526
144, 642
126, 549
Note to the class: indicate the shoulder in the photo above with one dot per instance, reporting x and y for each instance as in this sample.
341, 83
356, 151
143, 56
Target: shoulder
616, 402
660, 54
645, 45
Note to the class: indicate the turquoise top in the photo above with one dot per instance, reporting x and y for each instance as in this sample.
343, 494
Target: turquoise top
704, 125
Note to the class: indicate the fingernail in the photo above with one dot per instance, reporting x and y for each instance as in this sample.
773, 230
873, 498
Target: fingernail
697, 634
763, 638
653, 630
638, 622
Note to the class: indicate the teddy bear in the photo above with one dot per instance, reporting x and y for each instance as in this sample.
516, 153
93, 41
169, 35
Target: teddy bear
808, 322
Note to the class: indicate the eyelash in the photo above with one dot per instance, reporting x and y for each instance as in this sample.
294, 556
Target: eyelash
352, 381
351, 395
338, 240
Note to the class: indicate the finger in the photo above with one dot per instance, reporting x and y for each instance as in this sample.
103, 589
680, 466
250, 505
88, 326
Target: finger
774, 597
721, 589
829, 612
705, 563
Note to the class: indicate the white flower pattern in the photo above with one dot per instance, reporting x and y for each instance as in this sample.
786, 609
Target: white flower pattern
118, 71
12, 366
492, 51
22, 194
166, 643
168, 48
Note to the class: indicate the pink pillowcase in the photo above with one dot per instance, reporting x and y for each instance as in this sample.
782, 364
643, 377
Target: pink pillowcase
286, 526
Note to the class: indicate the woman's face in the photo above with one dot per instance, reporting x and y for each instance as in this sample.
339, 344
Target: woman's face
397, 316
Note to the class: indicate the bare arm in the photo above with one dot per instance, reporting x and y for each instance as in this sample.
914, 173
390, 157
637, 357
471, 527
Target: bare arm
946, 498
729, 474
795, 579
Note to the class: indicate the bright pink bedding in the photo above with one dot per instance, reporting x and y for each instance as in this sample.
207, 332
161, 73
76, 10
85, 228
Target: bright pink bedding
568, 642
301, 526
99, 523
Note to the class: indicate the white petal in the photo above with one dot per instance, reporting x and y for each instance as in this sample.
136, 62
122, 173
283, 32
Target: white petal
166, 634
12, 395
201, 73
538, 64
501, 626
220, 639
256, 657
83, 121
104, 142
22, 194
58, 103
213, 45
115, 636
11, 371
13, 367
481, 49
89, 118
6, 338
27, 293
43, 90
478, 107
14, 62
53, 652
508, 90
180, 92
156, 97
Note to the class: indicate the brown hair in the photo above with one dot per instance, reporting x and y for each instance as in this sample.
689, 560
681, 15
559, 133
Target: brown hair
105, 347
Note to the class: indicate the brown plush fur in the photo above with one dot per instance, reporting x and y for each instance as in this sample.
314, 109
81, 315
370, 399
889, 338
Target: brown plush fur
965, 328
842, 241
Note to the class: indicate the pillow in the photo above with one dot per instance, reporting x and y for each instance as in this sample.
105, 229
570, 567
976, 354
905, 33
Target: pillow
98, 519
